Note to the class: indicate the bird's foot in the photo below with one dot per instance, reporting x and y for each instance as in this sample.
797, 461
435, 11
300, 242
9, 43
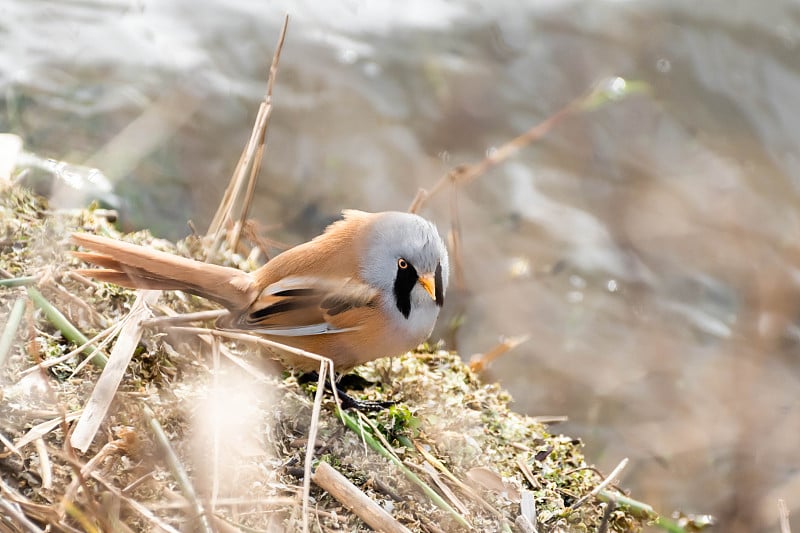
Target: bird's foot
347, 401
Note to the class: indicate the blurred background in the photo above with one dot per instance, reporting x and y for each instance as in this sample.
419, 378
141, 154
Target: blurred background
650, 247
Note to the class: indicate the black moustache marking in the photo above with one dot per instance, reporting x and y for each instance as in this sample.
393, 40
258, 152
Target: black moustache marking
403, 284
439, 289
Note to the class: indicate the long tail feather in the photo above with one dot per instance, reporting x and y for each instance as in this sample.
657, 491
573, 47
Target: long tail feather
139, 267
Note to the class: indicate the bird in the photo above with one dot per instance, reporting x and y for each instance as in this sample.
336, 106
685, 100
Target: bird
370, 286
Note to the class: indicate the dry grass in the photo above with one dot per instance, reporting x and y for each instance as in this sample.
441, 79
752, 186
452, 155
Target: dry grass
240, 430
181, 430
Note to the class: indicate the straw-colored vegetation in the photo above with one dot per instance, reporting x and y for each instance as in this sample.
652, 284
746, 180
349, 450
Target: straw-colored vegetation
125, 411
451, 431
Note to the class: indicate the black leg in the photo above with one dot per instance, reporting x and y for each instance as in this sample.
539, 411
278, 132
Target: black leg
347, 401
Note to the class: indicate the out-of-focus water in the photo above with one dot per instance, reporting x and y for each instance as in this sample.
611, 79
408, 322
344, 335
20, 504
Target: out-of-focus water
650, 247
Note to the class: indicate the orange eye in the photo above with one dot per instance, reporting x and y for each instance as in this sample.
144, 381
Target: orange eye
402, 263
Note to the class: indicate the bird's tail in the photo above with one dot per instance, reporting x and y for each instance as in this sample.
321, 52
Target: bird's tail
139, 267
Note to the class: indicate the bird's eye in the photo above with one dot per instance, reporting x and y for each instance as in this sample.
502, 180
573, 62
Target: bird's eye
402, 263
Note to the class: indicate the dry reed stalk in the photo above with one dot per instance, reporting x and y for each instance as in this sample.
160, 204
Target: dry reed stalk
250, 158
480, 362
443, 487
107, 335
106, 387
464, 174
356, 501
10, 329
466, 489
783, 516
605, 483
313, 429
527, 512
43, 428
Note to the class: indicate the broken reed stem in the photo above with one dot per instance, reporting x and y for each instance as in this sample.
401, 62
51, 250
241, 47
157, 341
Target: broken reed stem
43, 428
463, 174
481, 362
104, 337
250, 158
262, 139
10, 331
65, 326
355, 500
312, 439
13, 510
45, 468
605, 483
175, 466
527, 519
197, 316
107, 384
215, 422
466, 489
783, 516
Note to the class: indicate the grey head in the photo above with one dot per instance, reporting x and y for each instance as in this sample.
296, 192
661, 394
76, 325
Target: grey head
406, 260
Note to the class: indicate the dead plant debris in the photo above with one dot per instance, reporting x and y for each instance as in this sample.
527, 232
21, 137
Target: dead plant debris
239, 428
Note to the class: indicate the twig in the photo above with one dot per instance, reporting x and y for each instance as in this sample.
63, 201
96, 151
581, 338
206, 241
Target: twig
481, 362
610, 508
783, 516
550, 419
359, 503
312, 438
177, 469
107, 335
16, 513
42, 429
87, 470
65, 326
136, 506
527, 474
103, 394
199, 316
466, 489
45, 470
463, 174
73, 299
246, 337
10, 330
444, 488
10, 445
215, 421
605, 483
527, 518
244, 365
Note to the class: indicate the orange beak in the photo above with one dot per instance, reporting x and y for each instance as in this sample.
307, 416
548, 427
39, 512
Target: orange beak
429, 284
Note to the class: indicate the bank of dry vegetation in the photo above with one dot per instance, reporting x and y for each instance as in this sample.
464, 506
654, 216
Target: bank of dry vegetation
197, 432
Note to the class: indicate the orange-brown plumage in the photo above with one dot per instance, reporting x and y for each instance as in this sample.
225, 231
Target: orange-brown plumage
329, 296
